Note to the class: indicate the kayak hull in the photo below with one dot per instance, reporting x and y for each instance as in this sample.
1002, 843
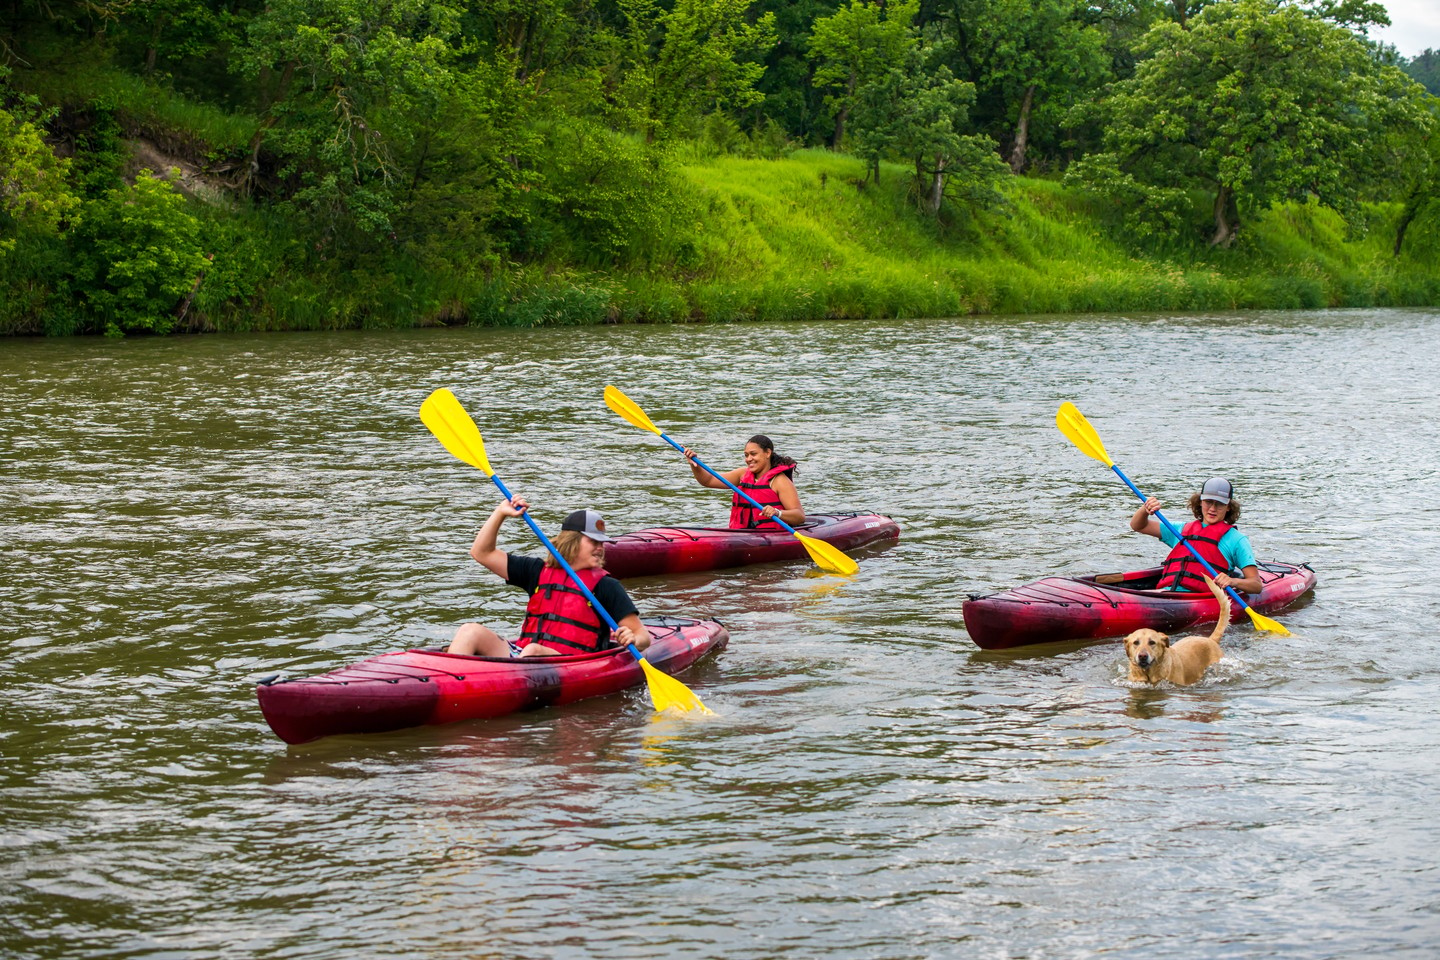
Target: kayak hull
1112, 605
667, 550
411, 688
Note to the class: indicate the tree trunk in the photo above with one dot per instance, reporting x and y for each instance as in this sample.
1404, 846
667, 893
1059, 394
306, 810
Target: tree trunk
1182, 7
247, 184
183, 307
936, 192
1413, 203
1225, 220
153, 50
1022, 132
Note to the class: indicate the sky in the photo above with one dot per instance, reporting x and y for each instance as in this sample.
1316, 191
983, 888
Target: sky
1415, 26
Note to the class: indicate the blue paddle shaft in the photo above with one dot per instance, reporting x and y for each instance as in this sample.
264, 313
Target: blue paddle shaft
604, 614
753, 502
1178, 536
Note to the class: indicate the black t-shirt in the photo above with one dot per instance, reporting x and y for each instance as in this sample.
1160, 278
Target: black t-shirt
525, 574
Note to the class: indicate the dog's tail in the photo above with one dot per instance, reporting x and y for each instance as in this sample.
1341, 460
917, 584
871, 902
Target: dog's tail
1224, 620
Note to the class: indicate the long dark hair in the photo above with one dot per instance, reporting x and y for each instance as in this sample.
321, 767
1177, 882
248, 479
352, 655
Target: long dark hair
776, 460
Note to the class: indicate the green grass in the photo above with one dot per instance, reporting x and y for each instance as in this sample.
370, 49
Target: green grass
174, 122
801, 238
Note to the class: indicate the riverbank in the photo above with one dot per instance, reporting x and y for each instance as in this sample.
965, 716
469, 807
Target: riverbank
796, 238
800, 239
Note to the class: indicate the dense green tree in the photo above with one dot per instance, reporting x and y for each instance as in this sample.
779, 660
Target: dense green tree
1257, 101
170, 35
1426, 70
791, 100
694, 58
1028, 59
338, 83
917, 111
856, 45
540, 36
475, 169
34, 196
138, 257
1419, 155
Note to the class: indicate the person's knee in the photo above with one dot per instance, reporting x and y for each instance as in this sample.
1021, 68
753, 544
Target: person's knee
469, 639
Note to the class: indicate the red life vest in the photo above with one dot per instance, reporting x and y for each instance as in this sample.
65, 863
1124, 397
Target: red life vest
559, 617
1181, 570
742, 515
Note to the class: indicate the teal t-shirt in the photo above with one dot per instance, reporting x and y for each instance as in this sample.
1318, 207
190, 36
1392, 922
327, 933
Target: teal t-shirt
1234, 547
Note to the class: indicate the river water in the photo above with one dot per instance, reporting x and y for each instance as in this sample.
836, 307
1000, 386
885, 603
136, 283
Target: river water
184, 516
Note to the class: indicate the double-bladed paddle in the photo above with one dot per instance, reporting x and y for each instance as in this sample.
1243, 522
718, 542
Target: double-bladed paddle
1073, 424
452, 426
826, 556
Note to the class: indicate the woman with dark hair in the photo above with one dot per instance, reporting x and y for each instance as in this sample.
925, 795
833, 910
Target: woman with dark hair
559, 619
1214, 536
767, 477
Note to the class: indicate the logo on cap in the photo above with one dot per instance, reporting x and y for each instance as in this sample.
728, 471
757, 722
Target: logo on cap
588, 522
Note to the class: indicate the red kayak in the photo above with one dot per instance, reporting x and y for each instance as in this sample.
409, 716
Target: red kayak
687, 549
1114, 604
413, 688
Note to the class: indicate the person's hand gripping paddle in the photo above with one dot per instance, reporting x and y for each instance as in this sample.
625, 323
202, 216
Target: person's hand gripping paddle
826, 556
1073, 424
452, 426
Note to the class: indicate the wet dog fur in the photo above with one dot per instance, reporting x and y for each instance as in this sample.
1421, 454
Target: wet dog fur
1153, 657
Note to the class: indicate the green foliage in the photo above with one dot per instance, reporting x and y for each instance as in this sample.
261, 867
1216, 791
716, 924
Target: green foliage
1257, 101
179, 39
475, 171
348, 80
137, 255
791, 102
1418, 158
696, 57
533, 162
1030, 61
617, 196
857, 45
34, 196
1425, 69
917, 111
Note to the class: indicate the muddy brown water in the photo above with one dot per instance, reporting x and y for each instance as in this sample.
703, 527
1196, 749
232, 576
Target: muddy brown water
183, 516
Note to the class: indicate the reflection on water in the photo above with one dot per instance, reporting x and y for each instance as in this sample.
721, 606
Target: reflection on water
187, 515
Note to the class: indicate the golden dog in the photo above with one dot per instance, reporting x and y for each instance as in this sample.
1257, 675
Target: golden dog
1154, 658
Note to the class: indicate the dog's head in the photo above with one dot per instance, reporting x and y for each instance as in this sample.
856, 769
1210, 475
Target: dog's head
1146, 647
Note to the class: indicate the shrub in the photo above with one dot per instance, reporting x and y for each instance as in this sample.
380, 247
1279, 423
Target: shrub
137, 256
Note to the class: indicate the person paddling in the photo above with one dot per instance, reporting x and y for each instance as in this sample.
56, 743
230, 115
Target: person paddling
767, 477
558, 619
1214, 536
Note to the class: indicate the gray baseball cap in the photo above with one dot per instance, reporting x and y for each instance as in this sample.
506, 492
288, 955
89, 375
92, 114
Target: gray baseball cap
588, 522
1218, 489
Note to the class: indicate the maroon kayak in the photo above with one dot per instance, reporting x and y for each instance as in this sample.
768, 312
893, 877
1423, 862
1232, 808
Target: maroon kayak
412, 688
687, 549
1114, 604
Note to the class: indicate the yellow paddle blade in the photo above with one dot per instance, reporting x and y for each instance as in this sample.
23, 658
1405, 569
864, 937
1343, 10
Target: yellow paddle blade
452, 426
1265, 623
827, 556
666, 692
1073, 424
628, 409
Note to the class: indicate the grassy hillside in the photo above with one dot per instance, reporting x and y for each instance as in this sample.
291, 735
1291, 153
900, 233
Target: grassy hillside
797, 238
800, 239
